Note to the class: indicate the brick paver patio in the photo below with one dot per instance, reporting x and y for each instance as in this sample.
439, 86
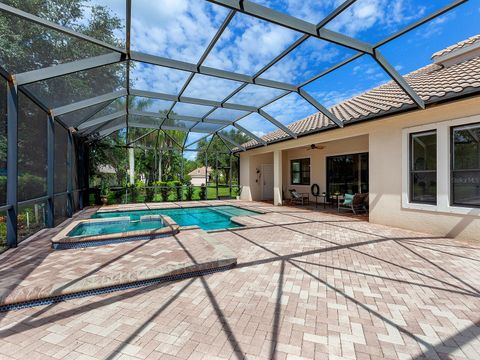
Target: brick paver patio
307, 285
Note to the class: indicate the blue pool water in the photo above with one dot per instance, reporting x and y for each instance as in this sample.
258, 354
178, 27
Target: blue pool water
90, 229
207, 218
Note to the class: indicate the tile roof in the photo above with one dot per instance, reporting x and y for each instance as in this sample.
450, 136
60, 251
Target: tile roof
470, 41
432, 83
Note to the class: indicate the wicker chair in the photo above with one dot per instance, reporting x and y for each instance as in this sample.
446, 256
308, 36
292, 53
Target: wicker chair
356, 204
299, 198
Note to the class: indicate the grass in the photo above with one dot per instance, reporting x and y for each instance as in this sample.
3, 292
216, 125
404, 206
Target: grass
211, 195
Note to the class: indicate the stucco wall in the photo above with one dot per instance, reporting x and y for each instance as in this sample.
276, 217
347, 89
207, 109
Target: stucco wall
251, 188
385, 164
318, 161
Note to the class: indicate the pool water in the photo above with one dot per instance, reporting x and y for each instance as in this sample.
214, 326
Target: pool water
207, 218
91, 229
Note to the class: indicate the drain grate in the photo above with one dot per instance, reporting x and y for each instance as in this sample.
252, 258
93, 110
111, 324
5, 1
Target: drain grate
110, 289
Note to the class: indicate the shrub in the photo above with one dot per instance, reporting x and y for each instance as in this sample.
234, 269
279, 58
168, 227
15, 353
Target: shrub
149, 193
178, 190
118, 195
133, 191
189, 193
165, 190
203, 192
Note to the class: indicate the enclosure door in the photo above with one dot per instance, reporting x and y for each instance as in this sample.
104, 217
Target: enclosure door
267, 181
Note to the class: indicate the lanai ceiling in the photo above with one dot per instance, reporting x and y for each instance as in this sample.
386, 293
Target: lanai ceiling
101, 86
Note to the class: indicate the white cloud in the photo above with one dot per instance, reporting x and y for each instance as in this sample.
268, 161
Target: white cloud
248, 44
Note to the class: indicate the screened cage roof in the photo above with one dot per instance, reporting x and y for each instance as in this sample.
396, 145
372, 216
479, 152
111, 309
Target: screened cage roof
99, 83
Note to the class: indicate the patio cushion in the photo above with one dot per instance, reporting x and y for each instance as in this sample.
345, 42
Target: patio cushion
348, 199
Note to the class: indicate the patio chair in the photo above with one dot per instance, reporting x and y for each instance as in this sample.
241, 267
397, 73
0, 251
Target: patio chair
299, 198
354, 203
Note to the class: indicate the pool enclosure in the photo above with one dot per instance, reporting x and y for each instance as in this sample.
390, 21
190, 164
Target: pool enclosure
79, 98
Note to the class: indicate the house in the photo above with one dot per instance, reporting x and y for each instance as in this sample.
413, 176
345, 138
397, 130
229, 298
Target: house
198, 175
421, 167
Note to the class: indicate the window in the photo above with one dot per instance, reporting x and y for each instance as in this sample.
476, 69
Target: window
347, 174
465, 157
300, 172
423, 167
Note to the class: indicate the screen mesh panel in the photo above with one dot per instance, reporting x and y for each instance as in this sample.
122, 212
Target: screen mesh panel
32, 150
36, 47
31, 218
60, 206
60, 170
80, 86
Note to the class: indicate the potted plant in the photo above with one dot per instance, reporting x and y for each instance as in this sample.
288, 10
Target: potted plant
238, 192
104, 193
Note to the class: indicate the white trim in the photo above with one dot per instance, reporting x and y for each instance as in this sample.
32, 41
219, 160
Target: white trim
443, 167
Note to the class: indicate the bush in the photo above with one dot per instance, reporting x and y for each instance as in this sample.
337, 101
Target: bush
165, 190
189, 193
133, 191
149, 194
117, 195
203, 192
178, 190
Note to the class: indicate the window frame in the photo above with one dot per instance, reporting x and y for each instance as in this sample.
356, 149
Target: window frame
412, 171
452, 162
301, 172
443, 166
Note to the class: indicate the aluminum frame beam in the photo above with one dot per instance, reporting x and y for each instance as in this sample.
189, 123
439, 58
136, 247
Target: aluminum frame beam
68, 68
205, 70
252, 135
180, 117
249, 8
97, 100
50, 171
293, 23
399, 79
101, 120
12, 163
277, 123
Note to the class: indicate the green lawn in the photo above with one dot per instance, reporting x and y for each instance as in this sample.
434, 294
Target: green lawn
211, 195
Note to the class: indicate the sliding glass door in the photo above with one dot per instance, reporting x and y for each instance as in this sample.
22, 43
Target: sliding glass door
347, 174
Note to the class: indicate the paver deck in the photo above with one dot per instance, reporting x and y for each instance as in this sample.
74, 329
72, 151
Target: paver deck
307, 285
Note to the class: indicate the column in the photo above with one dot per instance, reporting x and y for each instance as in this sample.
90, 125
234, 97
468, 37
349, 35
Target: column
131, 162
245, 178
50, 171
12, 163
277, 177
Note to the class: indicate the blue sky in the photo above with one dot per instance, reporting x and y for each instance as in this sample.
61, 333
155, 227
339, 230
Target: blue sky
182, 29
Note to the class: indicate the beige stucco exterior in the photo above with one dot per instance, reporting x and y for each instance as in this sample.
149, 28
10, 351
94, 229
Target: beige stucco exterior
383, 139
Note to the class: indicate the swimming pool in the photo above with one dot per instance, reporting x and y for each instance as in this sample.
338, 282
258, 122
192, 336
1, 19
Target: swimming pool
115, 226
207, 218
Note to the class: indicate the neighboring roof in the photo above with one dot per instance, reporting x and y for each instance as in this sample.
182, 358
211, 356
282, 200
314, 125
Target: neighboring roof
433, 83
106, 169
470, 41
200, 171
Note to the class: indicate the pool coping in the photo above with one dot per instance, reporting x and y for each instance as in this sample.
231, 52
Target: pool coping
62, 240
172, 205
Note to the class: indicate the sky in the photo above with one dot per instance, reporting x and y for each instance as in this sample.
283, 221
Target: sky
182, 29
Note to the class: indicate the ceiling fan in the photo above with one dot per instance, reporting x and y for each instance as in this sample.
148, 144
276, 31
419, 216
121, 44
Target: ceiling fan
315, 147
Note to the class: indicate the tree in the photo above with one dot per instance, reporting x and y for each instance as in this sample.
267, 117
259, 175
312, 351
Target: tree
218, 153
